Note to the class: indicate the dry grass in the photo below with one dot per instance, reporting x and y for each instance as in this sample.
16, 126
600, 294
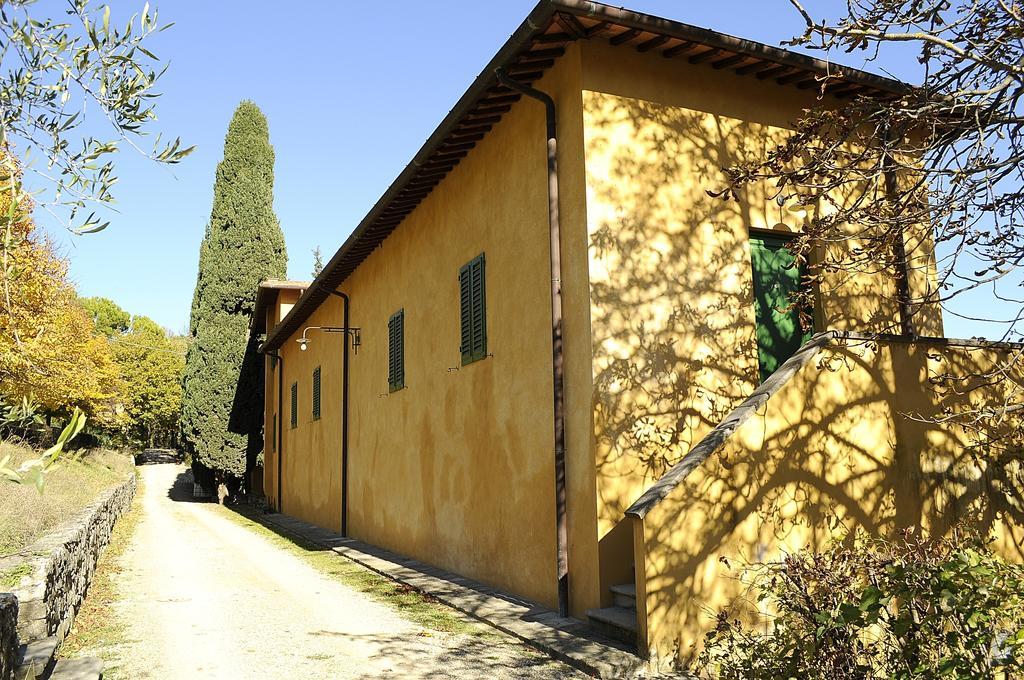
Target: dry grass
25, 514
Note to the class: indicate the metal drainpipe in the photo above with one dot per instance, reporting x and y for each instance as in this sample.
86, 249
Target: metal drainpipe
344, 416
557, 354
280, 423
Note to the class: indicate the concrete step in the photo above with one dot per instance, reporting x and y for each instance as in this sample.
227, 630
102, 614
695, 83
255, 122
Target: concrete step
83, 668
617, 623
35, 659
625, 595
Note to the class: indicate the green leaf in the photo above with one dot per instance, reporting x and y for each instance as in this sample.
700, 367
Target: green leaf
850, 613
871, 598
70, 431
91, 229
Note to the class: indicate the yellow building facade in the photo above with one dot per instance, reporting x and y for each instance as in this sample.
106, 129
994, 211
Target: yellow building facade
455, 465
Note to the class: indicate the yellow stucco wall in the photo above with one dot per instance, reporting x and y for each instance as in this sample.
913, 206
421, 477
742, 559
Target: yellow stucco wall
671, 308
311, 451
457, 468
832, 450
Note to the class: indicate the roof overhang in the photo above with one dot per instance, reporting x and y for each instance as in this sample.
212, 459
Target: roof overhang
526, 55
266, 295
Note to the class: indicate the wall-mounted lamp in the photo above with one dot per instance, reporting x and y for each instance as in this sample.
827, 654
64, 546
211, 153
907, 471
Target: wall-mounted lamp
353, 332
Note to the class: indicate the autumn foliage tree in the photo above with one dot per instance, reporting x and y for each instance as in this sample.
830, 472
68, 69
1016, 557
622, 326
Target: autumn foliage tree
151, 362
49, 351
60, 351
60, 60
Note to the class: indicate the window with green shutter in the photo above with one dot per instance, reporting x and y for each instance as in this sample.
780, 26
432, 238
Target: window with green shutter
396, 351
777, 278
295, 405
316, 393
473, 310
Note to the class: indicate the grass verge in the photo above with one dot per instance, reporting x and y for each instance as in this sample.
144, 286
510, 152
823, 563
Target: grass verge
97, 630
12, 577
417, 607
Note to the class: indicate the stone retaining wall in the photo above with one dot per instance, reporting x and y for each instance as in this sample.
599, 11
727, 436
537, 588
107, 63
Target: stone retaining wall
59, 568
8, 634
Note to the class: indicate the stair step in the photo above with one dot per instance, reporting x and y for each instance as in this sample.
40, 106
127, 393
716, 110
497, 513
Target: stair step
36, 659
83, 668
624, 595
618, 623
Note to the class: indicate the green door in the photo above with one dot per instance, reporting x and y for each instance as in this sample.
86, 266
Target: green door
776, 279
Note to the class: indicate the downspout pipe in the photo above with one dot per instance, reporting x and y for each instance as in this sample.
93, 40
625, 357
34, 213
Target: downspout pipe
557, 353
344, 413
280, 424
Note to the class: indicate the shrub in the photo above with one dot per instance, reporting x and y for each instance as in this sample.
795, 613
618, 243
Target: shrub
20, 418
908, 608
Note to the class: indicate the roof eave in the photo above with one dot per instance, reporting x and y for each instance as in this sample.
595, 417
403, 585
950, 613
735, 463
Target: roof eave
532, 28
321, 286
266, 294
708, 37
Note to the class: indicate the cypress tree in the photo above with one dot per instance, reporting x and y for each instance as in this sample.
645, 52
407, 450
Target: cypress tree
222, 409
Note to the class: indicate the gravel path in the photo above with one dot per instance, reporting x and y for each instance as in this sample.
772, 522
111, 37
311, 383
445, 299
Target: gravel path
205, 597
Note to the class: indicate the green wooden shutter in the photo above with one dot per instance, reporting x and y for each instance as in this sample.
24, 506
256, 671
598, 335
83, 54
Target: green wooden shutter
777, 278
473, 310
465, 312
396, 351
295, 405
479, 309
316, 393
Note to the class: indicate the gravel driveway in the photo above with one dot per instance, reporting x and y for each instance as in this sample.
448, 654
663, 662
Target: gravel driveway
202, 596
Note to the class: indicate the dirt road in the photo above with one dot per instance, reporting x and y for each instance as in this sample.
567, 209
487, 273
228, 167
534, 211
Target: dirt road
202, 596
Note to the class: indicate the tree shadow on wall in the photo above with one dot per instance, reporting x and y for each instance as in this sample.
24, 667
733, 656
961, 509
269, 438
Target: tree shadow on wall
855, 442
671, 296
675, 348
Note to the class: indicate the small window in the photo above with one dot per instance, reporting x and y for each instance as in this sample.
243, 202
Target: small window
396, 351
777, 277
316, 393
473, 310
295, 405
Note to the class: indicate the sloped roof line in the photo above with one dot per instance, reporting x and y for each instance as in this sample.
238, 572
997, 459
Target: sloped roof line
532, 49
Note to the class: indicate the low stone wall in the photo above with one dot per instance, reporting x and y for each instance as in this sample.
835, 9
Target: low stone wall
8, 634
59, 566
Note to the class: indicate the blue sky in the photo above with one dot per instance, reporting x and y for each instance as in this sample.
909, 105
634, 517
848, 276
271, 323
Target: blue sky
347, 107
